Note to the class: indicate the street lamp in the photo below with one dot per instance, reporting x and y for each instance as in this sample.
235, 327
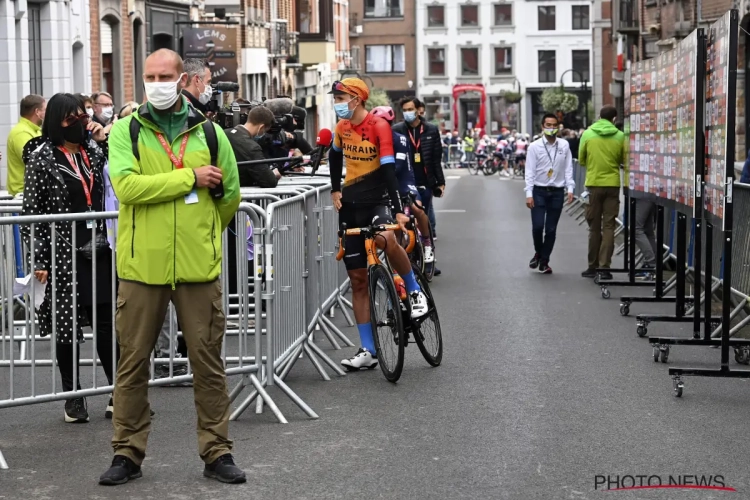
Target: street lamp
585, 85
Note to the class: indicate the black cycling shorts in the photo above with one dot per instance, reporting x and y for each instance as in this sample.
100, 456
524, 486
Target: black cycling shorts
360, 216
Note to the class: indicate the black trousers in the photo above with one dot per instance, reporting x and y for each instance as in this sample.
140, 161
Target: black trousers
103, 347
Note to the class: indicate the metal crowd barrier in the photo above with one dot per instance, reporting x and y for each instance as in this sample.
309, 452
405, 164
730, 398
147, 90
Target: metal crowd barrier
294, 239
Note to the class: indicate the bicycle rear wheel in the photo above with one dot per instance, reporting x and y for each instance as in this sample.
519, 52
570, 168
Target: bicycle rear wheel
427, 332
387, 324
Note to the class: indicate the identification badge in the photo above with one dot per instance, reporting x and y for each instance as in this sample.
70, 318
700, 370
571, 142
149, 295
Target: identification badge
90, 224
191, 198
417, 158
549, 173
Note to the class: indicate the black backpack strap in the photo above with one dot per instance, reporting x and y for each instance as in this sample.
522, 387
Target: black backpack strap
211, 140
135, 129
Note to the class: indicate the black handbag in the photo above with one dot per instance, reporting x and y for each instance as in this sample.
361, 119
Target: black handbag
96, 244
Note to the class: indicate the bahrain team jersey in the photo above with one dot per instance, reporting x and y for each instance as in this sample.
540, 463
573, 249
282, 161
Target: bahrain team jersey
366, 147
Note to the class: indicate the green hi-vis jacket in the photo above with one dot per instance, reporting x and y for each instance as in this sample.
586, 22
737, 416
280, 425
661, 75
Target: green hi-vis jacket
601, 152
162, 240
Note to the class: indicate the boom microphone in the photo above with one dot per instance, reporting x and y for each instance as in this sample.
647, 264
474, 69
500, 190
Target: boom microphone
324, 138
280, 106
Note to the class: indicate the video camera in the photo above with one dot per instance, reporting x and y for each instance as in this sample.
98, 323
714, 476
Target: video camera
214, 105
235, 114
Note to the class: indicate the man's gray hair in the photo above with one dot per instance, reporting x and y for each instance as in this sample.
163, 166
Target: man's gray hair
195, 67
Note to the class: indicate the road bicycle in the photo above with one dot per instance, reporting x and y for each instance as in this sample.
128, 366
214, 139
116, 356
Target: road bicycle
390, 310
416, 255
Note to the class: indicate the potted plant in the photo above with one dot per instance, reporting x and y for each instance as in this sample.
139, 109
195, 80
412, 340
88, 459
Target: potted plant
555, 99
512, 97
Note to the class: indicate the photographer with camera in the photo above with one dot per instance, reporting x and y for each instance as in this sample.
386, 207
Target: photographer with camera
243, 139
283, 137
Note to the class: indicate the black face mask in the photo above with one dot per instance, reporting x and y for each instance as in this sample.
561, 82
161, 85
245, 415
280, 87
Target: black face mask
75, 133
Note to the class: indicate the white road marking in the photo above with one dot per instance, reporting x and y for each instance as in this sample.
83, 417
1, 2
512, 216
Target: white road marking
450, 211
452, 176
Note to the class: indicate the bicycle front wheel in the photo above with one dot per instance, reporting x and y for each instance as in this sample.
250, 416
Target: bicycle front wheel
387, 324
428, 334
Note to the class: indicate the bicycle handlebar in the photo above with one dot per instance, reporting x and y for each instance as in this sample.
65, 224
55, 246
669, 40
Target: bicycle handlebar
371, 231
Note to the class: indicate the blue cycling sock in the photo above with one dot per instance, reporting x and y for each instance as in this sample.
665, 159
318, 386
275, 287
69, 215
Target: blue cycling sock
411, 282
366, 338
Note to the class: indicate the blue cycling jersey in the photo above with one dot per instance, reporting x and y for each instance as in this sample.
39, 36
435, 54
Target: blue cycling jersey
404, 171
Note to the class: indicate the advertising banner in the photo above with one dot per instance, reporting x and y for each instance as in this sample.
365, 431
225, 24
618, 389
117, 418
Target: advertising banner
217, 46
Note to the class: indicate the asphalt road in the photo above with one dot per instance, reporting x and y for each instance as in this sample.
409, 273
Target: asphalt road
543, 387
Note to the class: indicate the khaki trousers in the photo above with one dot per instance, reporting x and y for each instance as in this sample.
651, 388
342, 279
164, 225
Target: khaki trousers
139, 317
601, 212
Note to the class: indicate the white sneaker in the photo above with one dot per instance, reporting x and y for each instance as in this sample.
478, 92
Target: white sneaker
418, 301
429, 255
363, 359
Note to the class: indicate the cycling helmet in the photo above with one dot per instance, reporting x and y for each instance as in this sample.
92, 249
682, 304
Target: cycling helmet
385, 112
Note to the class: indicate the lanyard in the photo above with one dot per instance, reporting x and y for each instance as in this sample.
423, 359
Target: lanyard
176, 161
86, 189
416, 144
552, 161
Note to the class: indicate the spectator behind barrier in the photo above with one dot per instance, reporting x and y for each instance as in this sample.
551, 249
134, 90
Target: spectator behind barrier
64, 175
600, 151
104, 110
198, 89
166, 186
33, 108
745, 177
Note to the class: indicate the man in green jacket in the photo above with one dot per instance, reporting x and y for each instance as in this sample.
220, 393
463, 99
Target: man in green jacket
601, 153
169, 248
28, 127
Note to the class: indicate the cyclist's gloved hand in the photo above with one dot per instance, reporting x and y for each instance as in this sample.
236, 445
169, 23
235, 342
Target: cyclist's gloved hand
402, 221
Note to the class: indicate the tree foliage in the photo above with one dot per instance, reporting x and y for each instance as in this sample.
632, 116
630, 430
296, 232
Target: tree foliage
556, 99
378, 97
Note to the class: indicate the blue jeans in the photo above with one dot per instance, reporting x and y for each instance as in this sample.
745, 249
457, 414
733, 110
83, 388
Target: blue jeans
548, 205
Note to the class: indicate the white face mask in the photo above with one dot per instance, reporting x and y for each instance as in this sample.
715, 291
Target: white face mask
108, 112
90, 112
162, 95
206, 95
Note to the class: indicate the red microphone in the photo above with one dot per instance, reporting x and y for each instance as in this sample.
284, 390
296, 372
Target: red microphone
325, 136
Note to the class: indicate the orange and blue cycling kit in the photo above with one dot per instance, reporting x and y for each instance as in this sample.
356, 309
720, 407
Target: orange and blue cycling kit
370, 162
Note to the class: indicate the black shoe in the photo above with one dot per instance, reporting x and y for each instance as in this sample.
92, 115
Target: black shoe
438, 272
589, 273
544, 268
605, 276
109, 411
224, 470
534, 263
122, 470
75, 411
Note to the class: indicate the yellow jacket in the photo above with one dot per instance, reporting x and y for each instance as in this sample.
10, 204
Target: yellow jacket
23, 132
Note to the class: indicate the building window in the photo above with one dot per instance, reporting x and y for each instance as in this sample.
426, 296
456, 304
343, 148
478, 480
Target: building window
384, 8
580, 17
547, 69
470, 61
438, 111
580, 65
384, 59
503, 14
503, 60
435, 16
546, 18
35, 47
436, 60
469, 15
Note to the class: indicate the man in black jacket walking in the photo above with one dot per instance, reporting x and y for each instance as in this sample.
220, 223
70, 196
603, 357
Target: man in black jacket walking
426, 150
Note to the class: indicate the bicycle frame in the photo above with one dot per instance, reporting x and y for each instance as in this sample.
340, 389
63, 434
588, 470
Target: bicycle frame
370, 247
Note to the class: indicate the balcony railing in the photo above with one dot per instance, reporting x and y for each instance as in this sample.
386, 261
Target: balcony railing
278, 38
355, 26
629, 15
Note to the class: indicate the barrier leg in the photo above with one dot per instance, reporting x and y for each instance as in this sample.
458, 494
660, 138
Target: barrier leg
238, 388
327, 322
329, 335
259, 390
326, 359
297, 400
343, 302
316, 363
3, 463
